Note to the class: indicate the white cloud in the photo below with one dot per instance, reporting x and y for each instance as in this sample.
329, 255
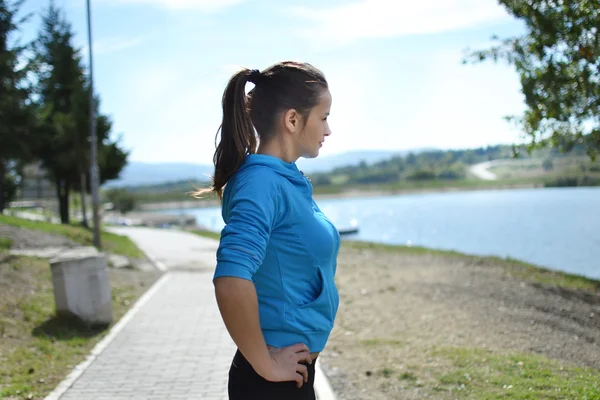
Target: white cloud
110, 45
201, 5
113, 44
392, 18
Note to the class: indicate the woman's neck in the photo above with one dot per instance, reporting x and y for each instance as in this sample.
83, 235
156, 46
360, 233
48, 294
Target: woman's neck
278, 148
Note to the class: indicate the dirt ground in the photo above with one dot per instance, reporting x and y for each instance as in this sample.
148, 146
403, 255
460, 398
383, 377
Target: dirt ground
396, 308
23, 238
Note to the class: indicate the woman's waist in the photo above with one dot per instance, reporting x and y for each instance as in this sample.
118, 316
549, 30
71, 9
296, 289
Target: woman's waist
313, 356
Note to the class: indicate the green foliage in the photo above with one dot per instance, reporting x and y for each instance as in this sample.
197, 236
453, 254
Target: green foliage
557, 61
573, 181
16, 114
8, 186
321, 180
123, 200
421, 175
427, 166
64, 114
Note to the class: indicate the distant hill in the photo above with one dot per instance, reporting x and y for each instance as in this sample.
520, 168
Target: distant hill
141, 173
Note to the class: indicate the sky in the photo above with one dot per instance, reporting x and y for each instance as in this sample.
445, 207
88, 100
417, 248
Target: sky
393, 66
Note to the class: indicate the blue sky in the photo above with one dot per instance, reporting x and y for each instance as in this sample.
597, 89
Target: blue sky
394, 68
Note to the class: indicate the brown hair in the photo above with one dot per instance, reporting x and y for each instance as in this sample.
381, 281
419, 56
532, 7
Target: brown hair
283, 86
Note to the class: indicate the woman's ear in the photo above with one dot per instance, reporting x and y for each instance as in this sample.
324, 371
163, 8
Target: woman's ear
292, 120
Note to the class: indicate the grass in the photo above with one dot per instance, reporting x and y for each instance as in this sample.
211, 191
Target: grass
525, 271
479, 374
37, 348
381, 342
206, 234
417, 250
110, 242
541, 275
5, 243
37, 211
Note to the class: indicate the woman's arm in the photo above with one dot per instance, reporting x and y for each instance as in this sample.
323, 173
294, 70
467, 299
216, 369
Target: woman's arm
238, 305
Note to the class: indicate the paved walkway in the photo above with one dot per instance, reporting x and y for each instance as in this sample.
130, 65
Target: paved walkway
175, 345
174, 250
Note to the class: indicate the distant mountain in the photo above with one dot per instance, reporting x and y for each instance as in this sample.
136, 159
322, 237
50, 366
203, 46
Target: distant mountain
141, 173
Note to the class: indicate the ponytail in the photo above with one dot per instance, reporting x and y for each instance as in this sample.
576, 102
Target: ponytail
237, 133
283, 86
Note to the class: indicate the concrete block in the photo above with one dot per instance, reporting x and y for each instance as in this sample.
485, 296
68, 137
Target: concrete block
82, 288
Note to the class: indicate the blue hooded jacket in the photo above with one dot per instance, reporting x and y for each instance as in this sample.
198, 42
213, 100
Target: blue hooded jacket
276, 236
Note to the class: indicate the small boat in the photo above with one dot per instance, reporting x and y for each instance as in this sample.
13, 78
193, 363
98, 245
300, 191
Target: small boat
348, 231
351, 230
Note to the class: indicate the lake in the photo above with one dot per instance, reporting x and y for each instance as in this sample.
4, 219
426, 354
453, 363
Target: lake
558, 228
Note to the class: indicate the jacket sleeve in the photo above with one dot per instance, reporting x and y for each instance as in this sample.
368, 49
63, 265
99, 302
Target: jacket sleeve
250, 216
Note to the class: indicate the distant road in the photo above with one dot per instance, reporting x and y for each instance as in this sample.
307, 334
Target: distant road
481, 170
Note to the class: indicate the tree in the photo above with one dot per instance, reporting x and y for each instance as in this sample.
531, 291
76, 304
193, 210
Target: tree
558, 61
547, 164
111, 158
64, 115
122, 200
59, 75
16, 139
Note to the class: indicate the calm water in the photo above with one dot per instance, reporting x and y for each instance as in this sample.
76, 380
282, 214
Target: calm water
555, 228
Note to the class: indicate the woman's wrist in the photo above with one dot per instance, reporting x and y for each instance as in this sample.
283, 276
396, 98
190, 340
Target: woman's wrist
262, 363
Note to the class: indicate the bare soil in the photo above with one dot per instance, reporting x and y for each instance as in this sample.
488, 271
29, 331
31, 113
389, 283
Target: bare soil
396, 309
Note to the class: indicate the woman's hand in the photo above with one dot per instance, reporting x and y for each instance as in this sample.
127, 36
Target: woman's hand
285, 364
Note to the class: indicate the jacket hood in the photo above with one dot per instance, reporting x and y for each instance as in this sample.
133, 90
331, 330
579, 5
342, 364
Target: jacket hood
288, 170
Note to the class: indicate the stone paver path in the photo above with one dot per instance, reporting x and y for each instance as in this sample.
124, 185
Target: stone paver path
175, 346
176, 250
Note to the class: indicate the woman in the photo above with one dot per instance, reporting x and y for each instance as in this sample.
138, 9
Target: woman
274, 279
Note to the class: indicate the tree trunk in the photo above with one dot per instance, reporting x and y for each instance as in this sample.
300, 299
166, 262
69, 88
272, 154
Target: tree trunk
2, 172
62, 189
84, 220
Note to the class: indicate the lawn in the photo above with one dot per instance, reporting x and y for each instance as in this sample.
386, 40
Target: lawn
110, 242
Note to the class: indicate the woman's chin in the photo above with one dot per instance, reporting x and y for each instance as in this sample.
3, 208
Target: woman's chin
313, 154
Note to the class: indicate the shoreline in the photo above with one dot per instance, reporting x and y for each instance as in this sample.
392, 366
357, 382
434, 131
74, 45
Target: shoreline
346, 194
435, 252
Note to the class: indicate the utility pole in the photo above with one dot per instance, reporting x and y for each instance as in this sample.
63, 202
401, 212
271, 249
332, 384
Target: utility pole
93, 139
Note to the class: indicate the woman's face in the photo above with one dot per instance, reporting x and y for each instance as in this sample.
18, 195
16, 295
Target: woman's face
316, 128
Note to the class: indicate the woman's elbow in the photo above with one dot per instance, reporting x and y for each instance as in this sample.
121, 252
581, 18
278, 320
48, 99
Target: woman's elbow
226, 286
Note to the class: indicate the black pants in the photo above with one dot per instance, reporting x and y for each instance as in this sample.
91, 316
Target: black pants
246, 384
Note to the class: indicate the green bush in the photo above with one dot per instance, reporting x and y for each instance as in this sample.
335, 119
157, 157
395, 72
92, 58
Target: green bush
122, 200
572, 181
9, 186
548, 165
421, 175
449, 174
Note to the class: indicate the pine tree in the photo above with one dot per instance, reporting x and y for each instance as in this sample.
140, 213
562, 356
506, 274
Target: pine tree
16, 117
